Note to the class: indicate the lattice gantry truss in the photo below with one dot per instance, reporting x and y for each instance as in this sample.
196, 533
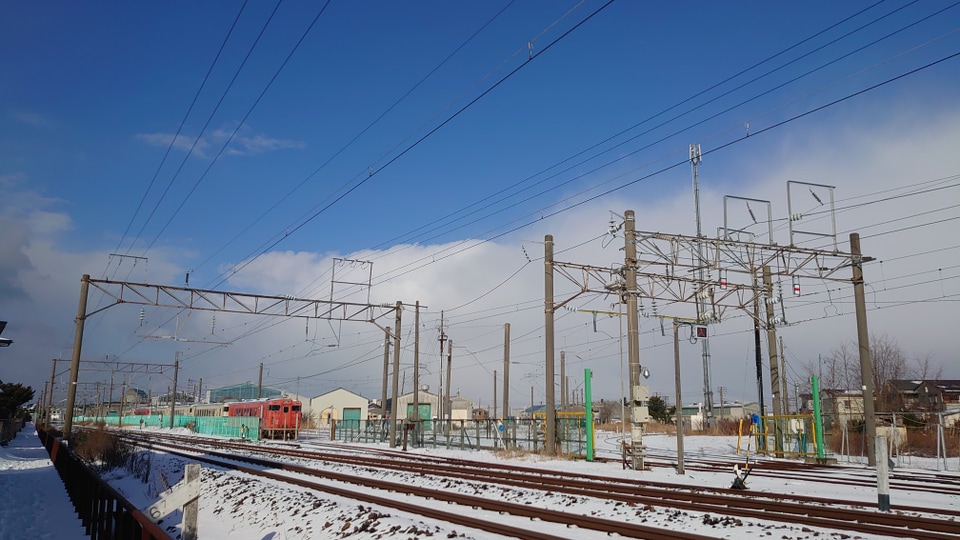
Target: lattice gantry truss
236, 302
668, 271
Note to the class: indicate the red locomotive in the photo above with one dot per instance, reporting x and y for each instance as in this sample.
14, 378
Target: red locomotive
279, 417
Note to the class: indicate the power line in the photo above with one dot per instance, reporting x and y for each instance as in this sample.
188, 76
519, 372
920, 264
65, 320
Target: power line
183, 122
416, 143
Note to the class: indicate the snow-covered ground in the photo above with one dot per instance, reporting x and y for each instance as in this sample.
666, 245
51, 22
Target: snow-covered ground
34, 503
242, 507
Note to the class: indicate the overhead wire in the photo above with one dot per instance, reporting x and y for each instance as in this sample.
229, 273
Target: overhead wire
240, 124
197, 139
183, 122
513, 185
666, 122
594, 170
755, 133
541, 51
356, 137
416, 143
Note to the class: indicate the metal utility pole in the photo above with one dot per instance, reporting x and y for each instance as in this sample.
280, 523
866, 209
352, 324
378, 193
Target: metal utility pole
441, 405
75, 361
639, 394
448, 405
784, 385
679, 419
720, 412
416, 361
260, 382
53, 376
122, 400
506, 371
756, 346
550, 429
695, 159
396, 377
110, 398
564, 389
775, 386
386, 372
173, 397
494, 394
866, 368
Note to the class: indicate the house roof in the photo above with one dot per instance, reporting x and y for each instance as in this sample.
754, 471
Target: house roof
902, 385
337, 389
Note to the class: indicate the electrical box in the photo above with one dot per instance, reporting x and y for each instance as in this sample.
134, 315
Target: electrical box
641, 414
641, 393
700, 330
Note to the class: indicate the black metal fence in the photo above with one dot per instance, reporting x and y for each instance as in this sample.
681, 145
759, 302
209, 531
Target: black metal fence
103, 512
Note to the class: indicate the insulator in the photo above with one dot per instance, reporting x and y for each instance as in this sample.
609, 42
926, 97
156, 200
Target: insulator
815, 197
796, 217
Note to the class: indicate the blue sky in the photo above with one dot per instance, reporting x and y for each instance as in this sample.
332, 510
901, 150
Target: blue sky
422, 111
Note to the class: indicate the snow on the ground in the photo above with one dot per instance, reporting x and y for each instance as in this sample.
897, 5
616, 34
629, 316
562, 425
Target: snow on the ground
35, 504
241, 507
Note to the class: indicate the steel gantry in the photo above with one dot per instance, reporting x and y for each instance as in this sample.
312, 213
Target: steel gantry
134, 368
147, 294
667, 268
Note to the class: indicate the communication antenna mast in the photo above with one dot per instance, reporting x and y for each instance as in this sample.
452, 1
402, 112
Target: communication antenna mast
695, 159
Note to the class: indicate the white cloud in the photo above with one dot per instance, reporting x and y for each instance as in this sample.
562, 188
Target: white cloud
180, 142
241, 144
32, 119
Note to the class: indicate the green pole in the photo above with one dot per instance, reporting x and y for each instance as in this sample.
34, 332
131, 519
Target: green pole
588, 407
817, 419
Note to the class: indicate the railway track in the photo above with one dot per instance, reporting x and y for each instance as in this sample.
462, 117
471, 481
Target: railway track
907, 522
494, 508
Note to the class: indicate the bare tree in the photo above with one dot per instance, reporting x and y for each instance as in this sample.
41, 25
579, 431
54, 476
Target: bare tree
839, 370
924, 369
889, 362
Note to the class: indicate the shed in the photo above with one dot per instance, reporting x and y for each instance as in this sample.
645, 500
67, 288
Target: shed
339, 405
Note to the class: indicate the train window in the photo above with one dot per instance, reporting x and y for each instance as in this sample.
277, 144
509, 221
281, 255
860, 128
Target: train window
274, 407
286, 409
295, 408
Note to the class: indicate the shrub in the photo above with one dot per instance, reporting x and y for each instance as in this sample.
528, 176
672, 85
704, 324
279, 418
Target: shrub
139, 465
100, 449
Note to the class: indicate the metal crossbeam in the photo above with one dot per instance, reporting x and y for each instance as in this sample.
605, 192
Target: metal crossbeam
124, 367
674, 253
147, 294
668, 268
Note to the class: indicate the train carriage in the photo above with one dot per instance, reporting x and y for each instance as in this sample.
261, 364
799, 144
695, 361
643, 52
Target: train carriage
279, 417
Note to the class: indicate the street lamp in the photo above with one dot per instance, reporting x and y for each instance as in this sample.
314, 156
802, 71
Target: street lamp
4, 342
